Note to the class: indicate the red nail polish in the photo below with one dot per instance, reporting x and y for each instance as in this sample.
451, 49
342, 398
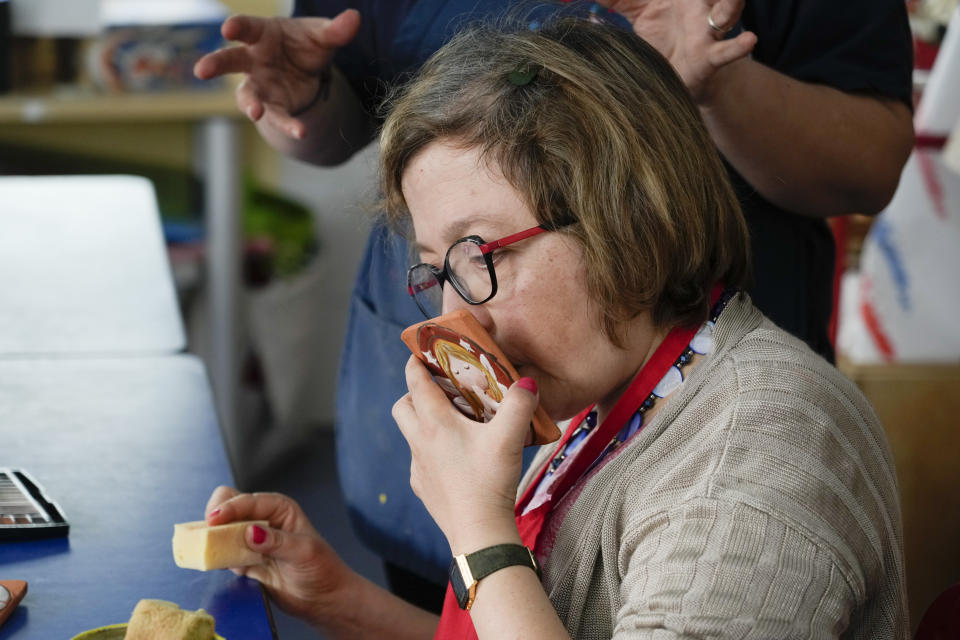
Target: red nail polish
213, 513
259, 535
529, 384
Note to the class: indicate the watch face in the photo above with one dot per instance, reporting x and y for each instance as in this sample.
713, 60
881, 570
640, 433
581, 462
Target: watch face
459, 588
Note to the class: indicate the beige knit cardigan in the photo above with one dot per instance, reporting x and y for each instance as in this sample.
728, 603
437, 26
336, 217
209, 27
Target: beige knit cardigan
760, 502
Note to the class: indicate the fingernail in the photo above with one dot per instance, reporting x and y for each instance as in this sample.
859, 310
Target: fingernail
529, 384
250, 113
213, 513
259, 535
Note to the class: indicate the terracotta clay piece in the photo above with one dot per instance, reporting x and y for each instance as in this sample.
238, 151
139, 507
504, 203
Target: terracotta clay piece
470, 368
11, 593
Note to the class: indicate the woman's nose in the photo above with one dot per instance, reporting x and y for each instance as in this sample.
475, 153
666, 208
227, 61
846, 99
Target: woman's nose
452, 301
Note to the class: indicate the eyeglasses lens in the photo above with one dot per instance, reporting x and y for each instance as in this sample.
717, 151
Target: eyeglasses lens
467, 267
426, 290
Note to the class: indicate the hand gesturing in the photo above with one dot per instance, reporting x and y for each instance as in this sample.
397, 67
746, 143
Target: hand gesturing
283, 60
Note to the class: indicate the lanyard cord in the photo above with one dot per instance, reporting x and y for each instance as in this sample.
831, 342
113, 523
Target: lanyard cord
530, 523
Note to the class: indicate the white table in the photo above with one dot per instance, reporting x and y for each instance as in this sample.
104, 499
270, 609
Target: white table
83, 269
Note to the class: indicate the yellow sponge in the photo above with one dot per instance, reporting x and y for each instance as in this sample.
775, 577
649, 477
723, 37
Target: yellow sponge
197, 545
162, 620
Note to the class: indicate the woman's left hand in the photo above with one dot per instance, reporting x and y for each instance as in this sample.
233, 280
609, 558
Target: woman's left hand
465, 472
681, 31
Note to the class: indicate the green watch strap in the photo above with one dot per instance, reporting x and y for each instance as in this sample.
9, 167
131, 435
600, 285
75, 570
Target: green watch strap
468, 569
499, 556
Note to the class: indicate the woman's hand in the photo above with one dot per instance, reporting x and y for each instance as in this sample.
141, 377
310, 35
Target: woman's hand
283, 59
680, 30
465, 472
302, 573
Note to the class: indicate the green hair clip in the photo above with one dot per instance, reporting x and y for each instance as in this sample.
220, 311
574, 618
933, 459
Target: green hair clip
523, 74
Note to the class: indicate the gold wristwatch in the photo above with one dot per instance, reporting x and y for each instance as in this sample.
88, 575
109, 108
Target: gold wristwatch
468, 569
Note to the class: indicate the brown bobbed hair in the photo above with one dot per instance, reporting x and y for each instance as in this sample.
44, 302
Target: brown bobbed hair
604, 134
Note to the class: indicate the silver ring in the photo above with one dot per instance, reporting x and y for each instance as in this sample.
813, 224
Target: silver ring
713, 25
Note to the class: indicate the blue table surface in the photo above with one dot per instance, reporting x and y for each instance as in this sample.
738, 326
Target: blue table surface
127, 447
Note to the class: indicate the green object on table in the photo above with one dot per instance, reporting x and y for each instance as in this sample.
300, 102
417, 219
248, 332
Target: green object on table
112, 632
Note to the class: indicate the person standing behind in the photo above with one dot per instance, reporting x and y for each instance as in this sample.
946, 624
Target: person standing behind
807, 101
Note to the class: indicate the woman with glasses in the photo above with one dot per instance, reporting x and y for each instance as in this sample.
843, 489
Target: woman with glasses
715, 477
